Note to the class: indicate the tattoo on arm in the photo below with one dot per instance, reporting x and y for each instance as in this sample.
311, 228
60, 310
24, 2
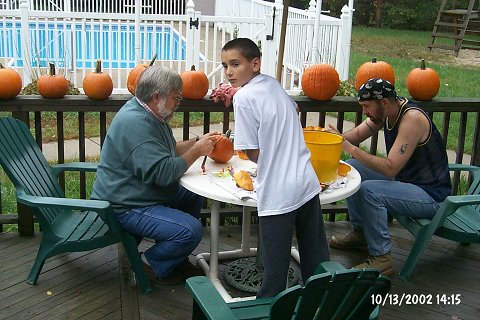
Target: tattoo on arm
403, 148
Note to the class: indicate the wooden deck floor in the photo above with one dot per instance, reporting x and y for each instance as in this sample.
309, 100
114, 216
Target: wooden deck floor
89, 285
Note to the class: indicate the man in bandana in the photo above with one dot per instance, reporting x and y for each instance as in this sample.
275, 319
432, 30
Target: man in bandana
412, 180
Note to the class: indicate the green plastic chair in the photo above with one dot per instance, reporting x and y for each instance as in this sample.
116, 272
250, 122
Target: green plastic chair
333, 293
457, 219
68, 225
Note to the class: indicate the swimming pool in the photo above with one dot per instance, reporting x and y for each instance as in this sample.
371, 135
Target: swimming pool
80, 44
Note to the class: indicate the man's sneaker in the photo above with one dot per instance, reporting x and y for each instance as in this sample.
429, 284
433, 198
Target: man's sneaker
382, 263
355, 240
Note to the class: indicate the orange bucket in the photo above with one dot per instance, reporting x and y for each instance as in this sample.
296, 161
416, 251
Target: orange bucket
326, 149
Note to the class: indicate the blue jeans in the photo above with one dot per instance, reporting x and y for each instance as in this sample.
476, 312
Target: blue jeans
378, 195
174, 227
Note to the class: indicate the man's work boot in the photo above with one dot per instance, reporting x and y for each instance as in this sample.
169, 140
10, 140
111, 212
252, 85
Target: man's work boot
355, 240
382, 263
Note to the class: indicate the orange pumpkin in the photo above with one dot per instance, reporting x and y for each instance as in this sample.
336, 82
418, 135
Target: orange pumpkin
195, 84
10, 83
98, 85
374, 69
52, 86
223, 150
133, 76
320, 82
423, 83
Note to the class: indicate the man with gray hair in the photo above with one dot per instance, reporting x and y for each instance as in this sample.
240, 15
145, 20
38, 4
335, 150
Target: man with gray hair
139, 173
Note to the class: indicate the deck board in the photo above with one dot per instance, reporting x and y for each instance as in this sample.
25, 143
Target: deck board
88, 285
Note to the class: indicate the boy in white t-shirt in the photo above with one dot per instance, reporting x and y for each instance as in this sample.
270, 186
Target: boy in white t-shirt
268, 129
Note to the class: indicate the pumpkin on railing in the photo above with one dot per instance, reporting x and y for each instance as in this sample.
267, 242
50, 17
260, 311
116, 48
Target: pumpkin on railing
134, 75
423, 83
320, 82
51, 85
10, 83
374, 69
195, 84
98, 85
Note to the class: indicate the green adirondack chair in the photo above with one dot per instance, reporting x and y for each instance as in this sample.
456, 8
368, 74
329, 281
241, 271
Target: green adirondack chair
68, 225
333, 293
457, 219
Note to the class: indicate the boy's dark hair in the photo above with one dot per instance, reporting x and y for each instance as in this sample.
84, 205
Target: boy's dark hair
247, 48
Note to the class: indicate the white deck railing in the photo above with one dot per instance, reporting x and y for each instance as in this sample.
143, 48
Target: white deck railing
74, 39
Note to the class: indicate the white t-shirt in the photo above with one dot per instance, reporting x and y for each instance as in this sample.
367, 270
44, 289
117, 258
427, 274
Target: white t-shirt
266, 119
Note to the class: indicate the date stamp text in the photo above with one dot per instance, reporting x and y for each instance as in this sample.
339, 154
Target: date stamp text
395, 299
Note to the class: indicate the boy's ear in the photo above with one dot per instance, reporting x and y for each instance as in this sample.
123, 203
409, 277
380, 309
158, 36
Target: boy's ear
256, 64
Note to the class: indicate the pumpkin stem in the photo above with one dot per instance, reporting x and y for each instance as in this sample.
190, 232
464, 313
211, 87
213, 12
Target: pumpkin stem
422, 64
153, 59
1, 66
192, 68
228, 133
98, 68
52, 69
374, 60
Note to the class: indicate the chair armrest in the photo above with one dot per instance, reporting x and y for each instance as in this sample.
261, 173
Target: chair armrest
451, 204
74, 166
208, 299
329, 266
99, 206
462, 167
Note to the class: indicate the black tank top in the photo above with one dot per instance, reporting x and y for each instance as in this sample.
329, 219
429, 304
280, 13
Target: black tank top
428, 166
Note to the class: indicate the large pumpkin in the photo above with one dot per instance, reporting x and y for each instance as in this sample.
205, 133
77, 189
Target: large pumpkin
320, 82
133, 76
195, 84
423, 83
52, 86
223, 150
98, 85
10, 83
374, 69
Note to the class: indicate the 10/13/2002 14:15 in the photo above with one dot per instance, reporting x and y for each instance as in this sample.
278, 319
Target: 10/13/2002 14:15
395, 299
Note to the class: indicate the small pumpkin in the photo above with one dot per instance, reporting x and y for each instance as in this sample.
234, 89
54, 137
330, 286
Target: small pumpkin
243, 180
343, 169
52, 86
223, 150
423, 83
374, 69
10, 83
98, 85
195, 84
320, 82
134, 75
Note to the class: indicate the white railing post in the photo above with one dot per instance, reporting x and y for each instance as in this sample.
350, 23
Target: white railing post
138, 11
66, 6
315, 57
343, 46
190, 36
25, 45
309, 40
269, 46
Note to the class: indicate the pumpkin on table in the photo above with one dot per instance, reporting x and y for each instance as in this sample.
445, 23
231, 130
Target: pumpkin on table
98, 85
320, 82
223, 150
133, 76
374, 69
423, 83
195, 84
52, 86
10, 83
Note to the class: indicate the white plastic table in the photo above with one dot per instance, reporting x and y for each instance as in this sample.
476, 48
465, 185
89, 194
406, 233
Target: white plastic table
198, 182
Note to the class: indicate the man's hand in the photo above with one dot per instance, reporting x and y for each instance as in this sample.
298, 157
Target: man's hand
206, 143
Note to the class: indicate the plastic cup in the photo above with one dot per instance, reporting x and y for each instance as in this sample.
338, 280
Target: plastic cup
326, 149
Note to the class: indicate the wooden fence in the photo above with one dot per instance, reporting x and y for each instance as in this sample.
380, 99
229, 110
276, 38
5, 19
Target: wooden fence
451, 114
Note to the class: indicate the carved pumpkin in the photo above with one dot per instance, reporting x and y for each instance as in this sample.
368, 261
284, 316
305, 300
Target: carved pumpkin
320, 82
98, 85
195, 84
10, 83
223, 150
423, 83
133, 76
374, 69
52, 86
